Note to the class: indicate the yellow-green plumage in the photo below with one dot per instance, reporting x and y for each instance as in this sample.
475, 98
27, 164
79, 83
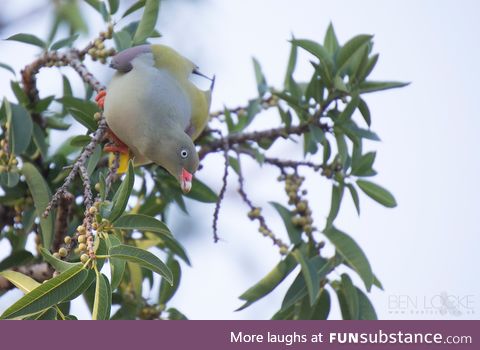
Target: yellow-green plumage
181, 68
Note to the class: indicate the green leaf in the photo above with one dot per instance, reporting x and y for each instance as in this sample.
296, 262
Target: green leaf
7, 67
269, 282
322, 307
123, 40
120, 200
19, 93
331, 42
117, 266
39, 137
57, 264
21, 129
23, 282
141, 223
86, 107
100, 7
135, 7
28, 39
103, 298
351, 297
12, 179
64, 42
318, 51
294, 233
336, 199
83, 118
363, 167
167, 291
47, 294
354, 194
47, 314
292, 62
372, 86
365, 111
377, 193
352, 253
260, 78
365, 71
366, 309
41, 197
93, 160
56, 123
310, 275
113, 5
347, 51
146, 27
16, 258
202, 192
298, 289
82, 287
349, 110
143, 258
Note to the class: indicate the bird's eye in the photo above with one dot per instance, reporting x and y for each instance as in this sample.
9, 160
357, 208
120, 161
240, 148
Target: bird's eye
184, 153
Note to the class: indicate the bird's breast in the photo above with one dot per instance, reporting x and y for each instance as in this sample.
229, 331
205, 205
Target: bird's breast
143, 104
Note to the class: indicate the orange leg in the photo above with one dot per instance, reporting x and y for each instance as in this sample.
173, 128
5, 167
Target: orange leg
115, 144
100, 98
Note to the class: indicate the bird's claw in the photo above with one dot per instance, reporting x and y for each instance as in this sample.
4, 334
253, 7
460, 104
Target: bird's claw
115, 144
100, 98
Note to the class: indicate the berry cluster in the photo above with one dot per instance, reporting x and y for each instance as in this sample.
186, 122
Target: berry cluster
303, 213
8, 162
255, 214
98, 50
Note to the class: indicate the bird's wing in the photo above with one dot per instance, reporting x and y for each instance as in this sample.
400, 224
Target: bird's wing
122, 61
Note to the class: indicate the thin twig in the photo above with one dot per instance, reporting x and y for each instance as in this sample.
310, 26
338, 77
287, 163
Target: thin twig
222, 190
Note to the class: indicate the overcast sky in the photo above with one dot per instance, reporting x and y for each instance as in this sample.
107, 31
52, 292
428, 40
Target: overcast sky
422, 250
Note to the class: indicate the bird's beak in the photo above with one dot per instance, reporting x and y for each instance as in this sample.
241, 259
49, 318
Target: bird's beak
186, 181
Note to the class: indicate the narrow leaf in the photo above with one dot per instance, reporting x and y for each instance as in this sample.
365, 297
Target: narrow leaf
269, 282
143, 258
293, 231
47, 294
309, 274
103, 298
23, 282
146, 27
120, 200
352, 253
347, 51
377, 193
372, 86
41, 196
64, 42
21, 129
28, 39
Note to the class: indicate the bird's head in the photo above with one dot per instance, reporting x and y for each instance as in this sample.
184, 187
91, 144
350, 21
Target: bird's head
180, 159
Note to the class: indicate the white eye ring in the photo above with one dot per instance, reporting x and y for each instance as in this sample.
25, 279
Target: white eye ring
184, 153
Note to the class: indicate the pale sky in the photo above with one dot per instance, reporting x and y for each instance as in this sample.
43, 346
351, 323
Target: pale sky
422, 249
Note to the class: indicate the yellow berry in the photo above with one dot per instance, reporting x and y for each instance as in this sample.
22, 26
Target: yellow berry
92, 210
82, 247
81, 229
62, 252
67, 240
81, 239
84, 258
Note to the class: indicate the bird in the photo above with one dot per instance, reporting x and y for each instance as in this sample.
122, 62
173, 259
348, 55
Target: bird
153, 111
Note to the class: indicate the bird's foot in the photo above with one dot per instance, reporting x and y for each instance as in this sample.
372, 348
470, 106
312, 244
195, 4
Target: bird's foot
114, 144
100, 98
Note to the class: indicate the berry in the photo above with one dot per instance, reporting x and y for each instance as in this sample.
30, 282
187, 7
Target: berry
62, 252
